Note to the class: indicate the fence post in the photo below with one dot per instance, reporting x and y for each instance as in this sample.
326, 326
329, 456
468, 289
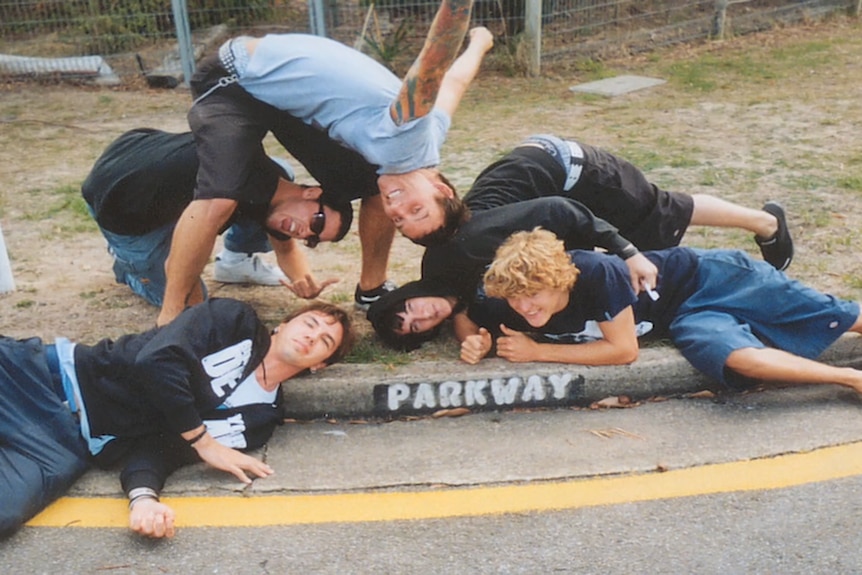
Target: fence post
316, 21
858, 9
184, 38
533, 36
6, 281
719, 18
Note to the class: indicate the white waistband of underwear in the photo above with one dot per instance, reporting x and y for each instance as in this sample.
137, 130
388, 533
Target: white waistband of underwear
575, 168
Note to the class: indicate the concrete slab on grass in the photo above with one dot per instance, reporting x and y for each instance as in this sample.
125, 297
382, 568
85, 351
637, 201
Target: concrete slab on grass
617, 85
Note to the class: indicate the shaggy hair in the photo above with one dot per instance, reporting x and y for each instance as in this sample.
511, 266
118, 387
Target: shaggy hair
338, 315
529, 262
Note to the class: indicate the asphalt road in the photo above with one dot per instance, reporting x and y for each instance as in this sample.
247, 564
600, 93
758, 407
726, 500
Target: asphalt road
763, 483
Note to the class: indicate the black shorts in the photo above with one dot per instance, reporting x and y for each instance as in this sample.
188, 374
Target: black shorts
618, 192
229, 127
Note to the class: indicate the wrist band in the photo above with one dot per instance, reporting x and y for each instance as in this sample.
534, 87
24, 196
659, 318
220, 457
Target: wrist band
139, 493
198, 437
629, 251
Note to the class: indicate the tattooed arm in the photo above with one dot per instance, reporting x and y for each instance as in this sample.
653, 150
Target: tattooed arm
422, 82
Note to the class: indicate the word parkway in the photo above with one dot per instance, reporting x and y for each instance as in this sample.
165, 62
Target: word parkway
495, 393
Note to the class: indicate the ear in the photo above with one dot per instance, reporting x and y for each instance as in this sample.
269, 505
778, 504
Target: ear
317, 367
443, 189
312, 193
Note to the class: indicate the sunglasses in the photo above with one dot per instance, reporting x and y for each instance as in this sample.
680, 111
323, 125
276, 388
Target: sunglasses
318, 222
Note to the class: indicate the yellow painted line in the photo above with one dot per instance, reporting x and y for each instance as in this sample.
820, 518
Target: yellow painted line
258, 511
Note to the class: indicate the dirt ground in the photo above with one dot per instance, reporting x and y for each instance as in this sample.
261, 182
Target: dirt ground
775, 115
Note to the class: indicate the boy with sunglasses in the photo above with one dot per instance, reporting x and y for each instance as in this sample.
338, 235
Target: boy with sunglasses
345, 117
144, 180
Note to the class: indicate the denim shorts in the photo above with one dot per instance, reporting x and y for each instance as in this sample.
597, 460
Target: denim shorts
745, 303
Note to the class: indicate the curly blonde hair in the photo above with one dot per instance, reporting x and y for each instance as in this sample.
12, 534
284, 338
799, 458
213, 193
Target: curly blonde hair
529, 262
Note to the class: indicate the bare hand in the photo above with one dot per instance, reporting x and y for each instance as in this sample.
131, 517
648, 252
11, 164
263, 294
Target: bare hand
642, 271
481, 37
475, 347
516, 346
226, 459
152, 518
308, 288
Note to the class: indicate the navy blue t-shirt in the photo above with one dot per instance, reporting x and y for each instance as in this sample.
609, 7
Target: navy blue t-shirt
602, 291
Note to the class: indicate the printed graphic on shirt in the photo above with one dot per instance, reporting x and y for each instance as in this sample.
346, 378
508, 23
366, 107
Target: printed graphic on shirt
229, 432
250, 391
592, 332
226, 367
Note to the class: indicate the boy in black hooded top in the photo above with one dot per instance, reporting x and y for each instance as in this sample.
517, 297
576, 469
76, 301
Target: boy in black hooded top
202, 388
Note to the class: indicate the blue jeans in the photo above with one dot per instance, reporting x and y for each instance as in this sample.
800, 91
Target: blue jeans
139, 261
41, 450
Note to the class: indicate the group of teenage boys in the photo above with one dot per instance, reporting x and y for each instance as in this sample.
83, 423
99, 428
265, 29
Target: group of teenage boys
513, 264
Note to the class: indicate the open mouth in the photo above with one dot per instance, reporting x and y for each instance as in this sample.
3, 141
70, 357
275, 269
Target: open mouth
290, 227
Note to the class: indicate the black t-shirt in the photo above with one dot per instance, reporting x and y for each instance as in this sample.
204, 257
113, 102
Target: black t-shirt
146, 178
602, 291
343, 174
460, 262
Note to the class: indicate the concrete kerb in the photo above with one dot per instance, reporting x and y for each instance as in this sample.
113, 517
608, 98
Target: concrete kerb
350, 390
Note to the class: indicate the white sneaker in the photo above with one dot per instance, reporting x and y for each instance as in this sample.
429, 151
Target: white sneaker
250, 270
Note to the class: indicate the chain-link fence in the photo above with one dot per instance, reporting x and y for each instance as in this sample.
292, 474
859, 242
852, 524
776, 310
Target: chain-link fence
122, 39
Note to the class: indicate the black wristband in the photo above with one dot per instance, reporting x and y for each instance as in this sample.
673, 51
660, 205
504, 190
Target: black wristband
629, 251
198, 437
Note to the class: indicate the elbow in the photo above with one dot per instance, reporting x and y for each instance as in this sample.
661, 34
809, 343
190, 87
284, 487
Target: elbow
629, 355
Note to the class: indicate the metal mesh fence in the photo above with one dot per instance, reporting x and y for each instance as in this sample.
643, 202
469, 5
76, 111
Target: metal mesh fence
127, 37
582, 28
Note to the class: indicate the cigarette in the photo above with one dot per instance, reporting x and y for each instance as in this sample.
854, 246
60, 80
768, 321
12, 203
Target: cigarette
653, 295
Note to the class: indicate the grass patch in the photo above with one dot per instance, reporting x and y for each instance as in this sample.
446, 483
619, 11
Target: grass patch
65, 208
853, 182
370, 351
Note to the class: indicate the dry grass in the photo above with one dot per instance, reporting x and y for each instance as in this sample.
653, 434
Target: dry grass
774, 115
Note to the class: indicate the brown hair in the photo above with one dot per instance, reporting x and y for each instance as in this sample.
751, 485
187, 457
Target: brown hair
349, 336
455, 214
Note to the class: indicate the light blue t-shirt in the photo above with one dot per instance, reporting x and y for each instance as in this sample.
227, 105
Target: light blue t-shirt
340, 90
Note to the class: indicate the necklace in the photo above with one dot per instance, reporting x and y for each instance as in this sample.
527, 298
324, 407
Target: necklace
264, 383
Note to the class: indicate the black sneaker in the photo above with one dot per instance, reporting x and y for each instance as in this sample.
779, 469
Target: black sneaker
363, 299
777, 250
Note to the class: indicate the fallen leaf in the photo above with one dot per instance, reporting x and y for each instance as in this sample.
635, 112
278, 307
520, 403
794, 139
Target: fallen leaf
614, 401
703, 394
454, 412
612, 432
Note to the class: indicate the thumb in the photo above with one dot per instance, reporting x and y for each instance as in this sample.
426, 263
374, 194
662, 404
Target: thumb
506, 330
